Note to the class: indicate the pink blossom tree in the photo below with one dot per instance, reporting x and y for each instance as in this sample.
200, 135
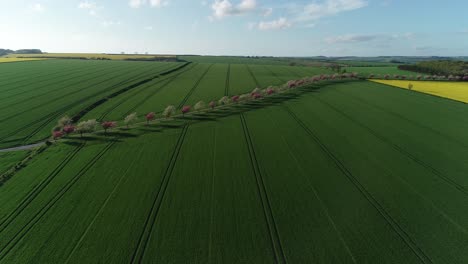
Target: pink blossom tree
57, 134
235, 98
108, 125
212, 104
186, 109
149, 117
68, 129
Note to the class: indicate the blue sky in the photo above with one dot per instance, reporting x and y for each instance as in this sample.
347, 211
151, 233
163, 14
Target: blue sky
238, 27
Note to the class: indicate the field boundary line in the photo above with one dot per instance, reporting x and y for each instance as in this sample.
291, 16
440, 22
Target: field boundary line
212, 202
194, 87
101, 209
400, 149
385, 215
145, 236
316, 194
169, 81
253, 76
30, 196
263, 195
38, 215
274, 74
228, 84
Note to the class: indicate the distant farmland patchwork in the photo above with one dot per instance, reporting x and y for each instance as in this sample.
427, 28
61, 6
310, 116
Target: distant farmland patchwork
340, 174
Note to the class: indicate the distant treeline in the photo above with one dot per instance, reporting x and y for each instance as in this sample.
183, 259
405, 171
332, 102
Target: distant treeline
21, 51
160, 59
446, 67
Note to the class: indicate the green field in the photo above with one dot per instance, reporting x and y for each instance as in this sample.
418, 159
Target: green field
35, 95
10, 159
339, 172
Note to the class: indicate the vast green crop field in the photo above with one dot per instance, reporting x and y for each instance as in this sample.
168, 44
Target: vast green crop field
340, 172
35, 95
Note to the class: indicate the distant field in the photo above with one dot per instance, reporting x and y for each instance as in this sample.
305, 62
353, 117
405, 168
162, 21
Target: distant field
7, 59
343, 174
35, 95
90, 56
453, 90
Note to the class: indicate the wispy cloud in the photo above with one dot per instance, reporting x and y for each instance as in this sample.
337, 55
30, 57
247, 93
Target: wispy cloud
317, 10
354, 38
152, 3
267, 12
37, 7
350, 38
280, 23
90, 6
224, 8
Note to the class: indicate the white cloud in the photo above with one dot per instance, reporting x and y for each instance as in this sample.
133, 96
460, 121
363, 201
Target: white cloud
37, 8
267, 12
280, 23
87, 5
224, 8
108, 23
326, 8
152, 3
90, 6
148, 28
350, 38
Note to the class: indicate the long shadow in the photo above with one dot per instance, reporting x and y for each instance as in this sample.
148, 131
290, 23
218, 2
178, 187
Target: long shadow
211, 115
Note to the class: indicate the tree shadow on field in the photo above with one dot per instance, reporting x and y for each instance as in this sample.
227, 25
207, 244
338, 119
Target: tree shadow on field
177, 122
73, 143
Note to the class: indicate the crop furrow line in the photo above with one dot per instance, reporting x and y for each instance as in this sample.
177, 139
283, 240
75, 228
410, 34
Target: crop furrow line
28, 79
62, 82
228, 76
101, 209
274, 74
35, 219
123, 81
38, 189
49, 117
400, 149
458, 142
169, 80
366, 194
316, 194
69, 94
139, 252
194, 87
253, 76
123, 90
267, 211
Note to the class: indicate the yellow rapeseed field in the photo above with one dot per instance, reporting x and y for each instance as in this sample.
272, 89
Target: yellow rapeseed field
3, 60
453, 90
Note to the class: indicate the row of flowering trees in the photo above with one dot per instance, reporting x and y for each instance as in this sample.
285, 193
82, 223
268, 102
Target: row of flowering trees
66, 127
419, 77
